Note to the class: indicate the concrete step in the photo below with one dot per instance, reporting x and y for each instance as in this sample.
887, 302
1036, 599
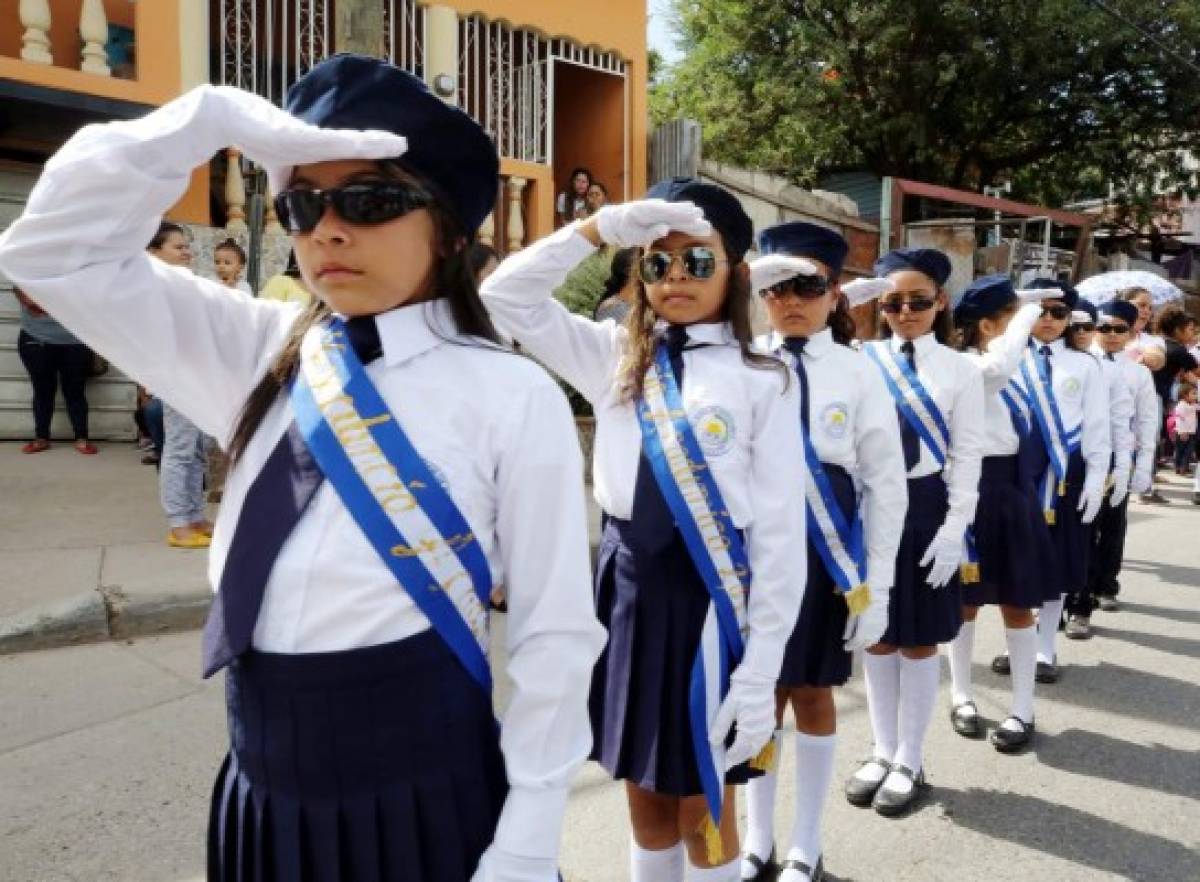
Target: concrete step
9, 308
10, 328
101, 391
12, 366
105, 423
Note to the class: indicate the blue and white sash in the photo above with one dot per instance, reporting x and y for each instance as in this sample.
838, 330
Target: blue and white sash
1059, 443
408, 517
1017, 401
716, 548
838, 541
913, 399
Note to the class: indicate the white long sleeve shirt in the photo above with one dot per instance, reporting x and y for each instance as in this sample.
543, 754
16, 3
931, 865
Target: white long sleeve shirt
1145, 423
493, 425
999, 362
852, 424
744, 417
956, 386
1120, 399
1081, 392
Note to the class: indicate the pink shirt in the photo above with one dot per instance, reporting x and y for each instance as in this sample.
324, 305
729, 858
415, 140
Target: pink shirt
1185, 418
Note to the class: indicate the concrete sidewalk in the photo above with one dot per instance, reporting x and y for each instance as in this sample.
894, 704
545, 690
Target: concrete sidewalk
83, 553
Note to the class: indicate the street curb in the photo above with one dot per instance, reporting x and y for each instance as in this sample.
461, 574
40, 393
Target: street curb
100, 615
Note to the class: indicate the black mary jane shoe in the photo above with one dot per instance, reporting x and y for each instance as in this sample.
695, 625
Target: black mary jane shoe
891, 803
860, 792
814, 874
964, 717
1046, 672
1007, 740
1000, 665
763, 870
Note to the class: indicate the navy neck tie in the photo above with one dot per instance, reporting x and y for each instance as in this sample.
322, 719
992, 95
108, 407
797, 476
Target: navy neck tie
795, 345
652, 523
273, 505
909, 440
1110, 356
1046, 353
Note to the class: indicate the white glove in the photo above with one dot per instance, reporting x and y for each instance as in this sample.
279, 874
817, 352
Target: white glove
639, 224
1037, 295
1120, 488
211, 118
862, 291
751, 703
499, 866
1142, 480
766, 272
945, 552
867, 627
1090, 501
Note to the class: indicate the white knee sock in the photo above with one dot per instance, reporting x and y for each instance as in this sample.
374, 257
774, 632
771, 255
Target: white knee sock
665, 865
918, 694
1048, 629
882, 673
760, 811
961, 649
814, 770
729, 872
1022, 660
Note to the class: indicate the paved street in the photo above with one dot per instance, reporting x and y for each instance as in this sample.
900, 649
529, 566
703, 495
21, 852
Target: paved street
107, 752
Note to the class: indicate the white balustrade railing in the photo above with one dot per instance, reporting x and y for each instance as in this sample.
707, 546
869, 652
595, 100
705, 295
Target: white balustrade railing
36, 18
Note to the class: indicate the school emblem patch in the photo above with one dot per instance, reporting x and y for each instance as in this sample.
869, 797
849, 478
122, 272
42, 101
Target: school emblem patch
835, 419
1072, 387
715, 430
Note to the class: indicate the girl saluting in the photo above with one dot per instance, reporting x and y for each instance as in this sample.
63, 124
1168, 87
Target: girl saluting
390, 462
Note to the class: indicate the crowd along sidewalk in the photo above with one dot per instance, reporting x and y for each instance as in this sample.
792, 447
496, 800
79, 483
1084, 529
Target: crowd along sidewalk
83, 553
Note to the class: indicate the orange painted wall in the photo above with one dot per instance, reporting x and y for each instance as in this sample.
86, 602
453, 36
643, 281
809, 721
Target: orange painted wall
586, 104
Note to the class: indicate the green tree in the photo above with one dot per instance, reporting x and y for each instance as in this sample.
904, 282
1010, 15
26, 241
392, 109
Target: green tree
1055, 95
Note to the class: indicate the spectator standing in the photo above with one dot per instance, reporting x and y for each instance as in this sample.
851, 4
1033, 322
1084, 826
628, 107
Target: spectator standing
181, 472
572, 205
53, 358
597, 197
287, 286
1185, 428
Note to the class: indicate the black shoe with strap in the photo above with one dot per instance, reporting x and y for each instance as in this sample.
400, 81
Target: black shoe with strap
891, 803
860, 791
763, 870
1000, 665
813, 874
1046, 672
1007, 739
964, 717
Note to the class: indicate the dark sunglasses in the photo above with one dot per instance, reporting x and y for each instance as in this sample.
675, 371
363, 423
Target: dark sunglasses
300, 210
1083, 326
1112, 329
804, 287
1057, 312
698, 262
916, 304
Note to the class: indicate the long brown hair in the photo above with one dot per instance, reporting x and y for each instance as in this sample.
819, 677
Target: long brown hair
453, 280
735, 310
968, 331
841, 322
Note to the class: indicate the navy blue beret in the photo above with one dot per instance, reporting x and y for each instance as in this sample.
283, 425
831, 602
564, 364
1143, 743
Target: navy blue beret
1069, 295
446, 148
800, 239
929, 261
984, 297
720, 207
1121, 309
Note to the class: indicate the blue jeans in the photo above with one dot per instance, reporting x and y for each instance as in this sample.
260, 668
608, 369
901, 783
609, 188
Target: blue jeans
181, 472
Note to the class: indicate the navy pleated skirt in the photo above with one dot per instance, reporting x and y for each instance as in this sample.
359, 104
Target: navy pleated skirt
1017, 562
361, 766
815, 655
1072, 538
919, 615
653, 604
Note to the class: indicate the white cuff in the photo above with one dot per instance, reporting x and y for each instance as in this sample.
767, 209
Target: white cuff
531, 822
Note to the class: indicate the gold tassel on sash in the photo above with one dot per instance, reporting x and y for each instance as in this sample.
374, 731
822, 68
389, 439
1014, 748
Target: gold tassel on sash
765, 761
714, 849
1051, 517
968, 573
858, 599
1062, 488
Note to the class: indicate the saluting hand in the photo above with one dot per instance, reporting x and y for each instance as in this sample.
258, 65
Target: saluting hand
766, 272
216, 117
639, 224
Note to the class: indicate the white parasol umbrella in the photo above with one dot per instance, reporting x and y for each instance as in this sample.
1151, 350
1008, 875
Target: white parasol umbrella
1104, 287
